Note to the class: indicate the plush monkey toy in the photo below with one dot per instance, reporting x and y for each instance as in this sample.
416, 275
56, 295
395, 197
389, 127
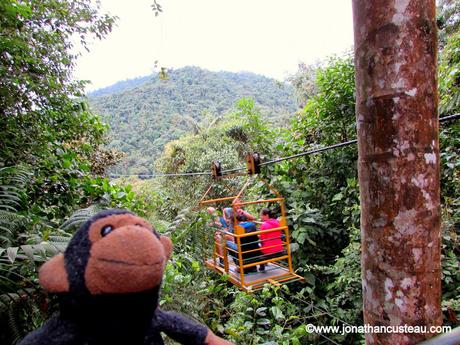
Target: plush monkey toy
108, 282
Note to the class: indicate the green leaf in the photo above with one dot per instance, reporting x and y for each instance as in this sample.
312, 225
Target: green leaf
66, 164
337, 197
294, 247
121, 195
261, 311
28, 250
12, 253
277, 313
310, 278
263, 322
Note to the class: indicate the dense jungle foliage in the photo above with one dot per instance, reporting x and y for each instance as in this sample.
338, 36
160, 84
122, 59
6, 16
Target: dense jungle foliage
52, 177
146, 113
51, 156
322, 195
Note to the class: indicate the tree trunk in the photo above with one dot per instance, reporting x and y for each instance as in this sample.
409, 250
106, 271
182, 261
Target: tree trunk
396, 111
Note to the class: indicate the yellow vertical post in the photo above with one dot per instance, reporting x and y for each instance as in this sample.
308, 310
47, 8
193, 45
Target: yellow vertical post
240, 260
283, 209
286, 233
215, 252
288, 249
225, 253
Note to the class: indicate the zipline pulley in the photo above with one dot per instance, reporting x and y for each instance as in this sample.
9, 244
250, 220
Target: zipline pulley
216, 170
253, 163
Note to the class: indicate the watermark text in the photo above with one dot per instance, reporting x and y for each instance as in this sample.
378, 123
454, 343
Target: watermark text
369, 329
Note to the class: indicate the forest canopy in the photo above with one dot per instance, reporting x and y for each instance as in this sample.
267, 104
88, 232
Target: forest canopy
55, 151
146, 113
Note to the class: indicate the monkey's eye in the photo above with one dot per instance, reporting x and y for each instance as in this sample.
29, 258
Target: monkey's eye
107, 229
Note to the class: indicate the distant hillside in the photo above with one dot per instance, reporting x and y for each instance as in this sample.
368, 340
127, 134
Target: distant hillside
145, 113
120, 86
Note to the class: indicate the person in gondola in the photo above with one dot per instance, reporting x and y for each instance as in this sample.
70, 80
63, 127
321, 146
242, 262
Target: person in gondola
241, 212
216, 220
249, 244
271, 243
228, 226
218, 223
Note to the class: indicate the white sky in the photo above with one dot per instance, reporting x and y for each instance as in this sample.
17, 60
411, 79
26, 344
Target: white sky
262, 36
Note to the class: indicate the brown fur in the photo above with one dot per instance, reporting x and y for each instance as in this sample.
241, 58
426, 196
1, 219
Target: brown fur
130, 259
117, 221
53, 276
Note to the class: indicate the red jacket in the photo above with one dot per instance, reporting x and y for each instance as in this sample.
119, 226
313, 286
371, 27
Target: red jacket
271, 238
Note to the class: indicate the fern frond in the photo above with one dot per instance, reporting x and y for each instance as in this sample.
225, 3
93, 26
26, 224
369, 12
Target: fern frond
15, 282
5, 240
7, 230
59, 239
9, 223
39, 252
55, 247
18, 175
14, 328
5, 207
80, 216
6, 299
12, 189
11, 196
10, 217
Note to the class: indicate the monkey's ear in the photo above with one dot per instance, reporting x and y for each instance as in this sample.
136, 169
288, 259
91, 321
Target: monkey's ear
53, 275
167, 245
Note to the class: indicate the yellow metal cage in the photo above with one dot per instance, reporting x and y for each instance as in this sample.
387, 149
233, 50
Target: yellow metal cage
245, 255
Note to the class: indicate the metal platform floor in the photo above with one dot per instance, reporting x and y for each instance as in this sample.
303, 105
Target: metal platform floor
273, 274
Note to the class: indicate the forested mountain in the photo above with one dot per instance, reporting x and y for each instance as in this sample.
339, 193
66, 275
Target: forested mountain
120, 86
146, 113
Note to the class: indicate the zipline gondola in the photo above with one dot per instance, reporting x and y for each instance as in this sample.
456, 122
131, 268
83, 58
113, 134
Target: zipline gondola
238, 253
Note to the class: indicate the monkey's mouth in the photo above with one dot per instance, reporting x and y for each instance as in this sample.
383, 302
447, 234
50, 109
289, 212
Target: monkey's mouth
127, 263
123, 275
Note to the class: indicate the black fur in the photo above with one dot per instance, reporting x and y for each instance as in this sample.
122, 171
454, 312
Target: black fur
115, 319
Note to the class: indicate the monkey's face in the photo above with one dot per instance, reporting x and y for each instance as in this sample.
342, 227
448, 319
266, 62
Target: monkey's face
126, 255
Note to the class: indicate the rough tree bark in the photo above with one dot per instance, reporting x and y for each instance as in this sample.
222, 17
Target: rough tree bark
396, 110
